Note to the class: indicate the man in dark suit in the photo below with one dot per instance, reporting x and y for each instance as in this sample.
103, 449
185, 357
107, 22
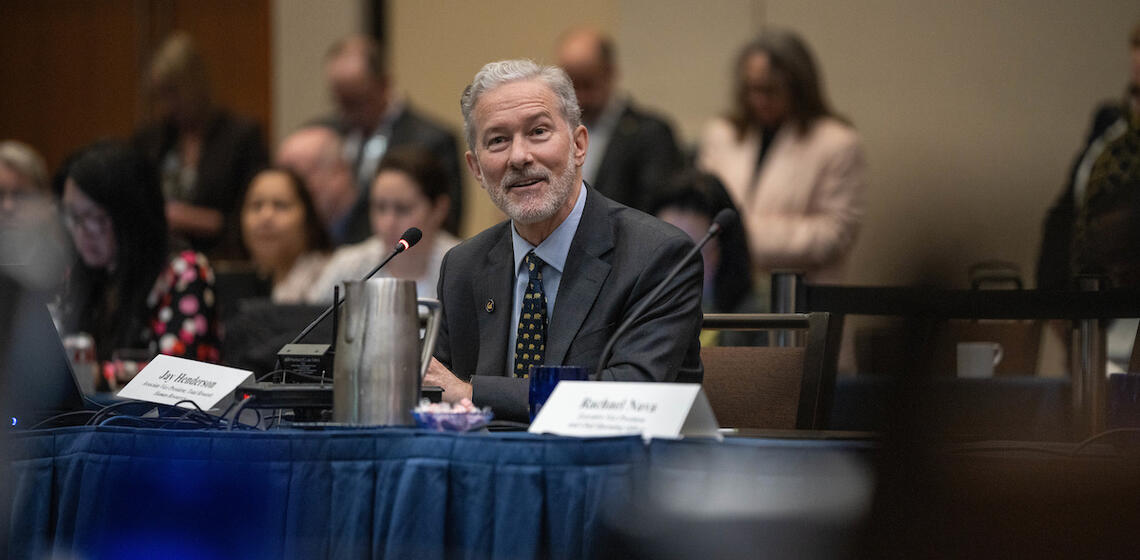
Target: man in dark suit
567, 250
373, 121
634, 152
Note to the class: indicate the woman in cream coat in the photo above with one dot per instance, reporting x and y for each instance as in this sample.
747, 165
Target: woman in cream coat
796, 171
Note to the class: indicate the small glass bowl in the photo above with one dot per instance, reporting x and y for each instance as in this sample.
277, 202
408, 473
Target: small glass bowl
452, 421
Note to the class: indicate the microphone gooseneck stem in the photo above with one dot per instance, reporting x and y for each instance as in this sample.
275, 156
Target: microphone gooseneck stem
339, 300
650, 299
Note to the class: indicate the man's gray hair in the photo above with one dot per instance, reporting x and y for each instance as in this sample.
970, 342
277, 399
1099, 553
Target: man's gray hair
24, 160
495, 74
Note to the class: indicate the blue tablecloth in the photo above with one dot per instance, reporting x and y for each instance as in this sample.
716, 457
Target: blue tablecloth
115, 492
134, 493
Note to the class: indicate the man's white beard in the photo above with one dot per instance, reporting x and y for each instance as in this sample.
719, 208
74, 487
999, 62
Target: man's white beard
559, 191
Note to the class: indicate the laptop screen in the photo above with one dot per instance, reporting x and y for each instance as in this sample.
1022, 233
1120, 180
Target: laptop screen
36, 380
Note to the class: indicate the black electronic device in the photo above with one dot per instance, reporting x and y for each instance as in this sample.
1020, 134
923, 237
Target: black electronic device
36, 379
256, 333
302, 395
306, 360
235, 282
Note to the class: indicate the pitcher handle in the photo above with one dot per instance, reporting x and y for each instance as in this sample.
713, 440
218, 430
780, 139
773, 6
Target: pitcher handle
430, 331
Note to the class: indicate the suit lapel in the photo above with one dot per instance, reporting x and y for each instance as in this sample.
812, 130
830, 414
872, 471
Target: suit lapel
493, 287
399, 133
583, 277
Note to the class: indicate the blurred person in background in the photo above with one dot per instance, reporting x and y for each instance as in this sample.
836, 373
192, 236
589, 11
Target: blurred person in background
125, 290
205, 154
410, 190
316, 153
794, 168
30, 232
1093, 227
690, 201
373, 119
283, 234
633, 151
24, 196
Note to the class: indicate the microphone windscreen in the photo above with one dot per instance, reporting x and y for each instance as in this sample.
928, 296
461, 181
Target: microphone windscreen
725, 218
412, 236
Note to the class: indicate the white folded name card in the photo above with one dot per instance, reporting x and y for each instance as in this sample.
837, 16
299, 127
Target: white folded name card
167, 380
604, 408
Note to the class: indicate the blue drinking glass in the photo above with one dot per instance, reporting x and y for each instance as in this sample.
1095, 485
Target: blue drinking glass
543, 379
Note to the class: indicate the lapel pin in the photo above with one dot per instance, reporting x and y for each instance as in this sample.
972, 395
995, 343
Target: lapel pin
490, 305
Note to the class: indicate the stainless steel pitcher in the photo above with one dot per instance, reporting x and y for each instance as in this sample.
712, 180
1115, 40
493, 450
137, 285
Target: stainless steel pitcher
379, 365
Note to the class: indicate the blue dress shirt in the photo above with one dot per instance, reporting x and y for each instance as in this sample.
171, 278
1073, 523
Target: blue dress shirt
552, 251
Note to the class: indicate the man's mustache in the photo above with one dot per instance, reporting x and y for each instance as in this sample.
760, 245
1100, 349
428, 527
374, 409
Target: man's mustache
513, 178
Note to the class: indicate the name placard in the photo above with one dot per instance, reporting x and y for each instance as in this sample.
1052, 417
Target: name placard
603, 408
167, 380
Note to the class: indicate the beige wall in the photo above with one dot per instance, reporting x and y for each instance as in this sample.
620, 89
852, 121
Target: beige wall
302, 31
437, 46
971, 111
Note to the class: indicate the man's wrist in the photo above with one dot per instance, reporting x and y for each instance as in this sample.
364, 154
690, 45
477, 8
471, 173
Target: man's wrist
458, 391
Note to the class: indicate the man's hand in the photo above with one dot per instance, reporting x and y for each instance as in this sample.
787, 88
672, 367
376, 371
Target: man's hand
454, 389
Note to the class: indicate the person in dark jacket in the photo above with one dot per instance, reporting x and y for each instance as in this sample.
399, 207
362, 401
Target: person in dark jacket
206, 156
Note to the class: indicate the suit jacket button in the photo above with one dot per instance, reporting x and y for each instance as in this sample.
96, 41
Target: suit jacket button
490, 305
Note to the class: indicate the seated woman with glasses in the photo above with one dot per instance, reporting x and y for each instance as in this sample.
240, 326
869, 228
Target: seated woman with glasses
410, 190
125, 290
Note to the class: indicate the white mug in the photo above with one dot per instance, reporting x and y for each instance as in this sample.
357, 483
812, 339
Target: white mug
977, 359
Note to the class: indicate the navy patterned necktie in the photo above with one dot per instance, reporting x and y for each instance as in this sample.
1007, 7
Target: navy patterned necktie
530, 344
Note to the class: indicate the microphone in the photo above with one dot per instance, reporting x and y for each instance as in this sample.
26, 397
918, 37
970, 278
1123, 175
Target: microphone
726, 218
723, 219
409, 239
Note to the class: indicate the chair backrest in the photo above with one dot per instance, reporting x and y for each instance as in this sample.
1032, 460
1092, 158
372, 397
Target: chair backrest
1134, 361
772, 387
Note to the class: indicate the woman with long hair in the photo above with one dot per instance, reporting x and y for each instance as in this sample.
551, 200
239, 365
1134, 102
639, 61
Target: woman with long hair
794, 168
283, 234
125, 290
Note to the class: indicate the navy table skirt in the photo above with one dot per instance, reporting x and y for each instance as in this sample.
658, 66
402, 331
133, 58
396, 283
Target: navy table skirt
142, 493
117, 492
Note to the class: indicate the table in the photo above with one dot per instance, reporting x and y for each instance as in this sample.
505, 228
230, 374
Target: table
118, 492
1023, 408
115, 492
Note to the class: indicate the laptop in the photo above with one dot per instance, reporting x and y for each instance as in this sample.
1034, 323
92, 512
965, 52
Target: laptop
36, 379
257, 332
